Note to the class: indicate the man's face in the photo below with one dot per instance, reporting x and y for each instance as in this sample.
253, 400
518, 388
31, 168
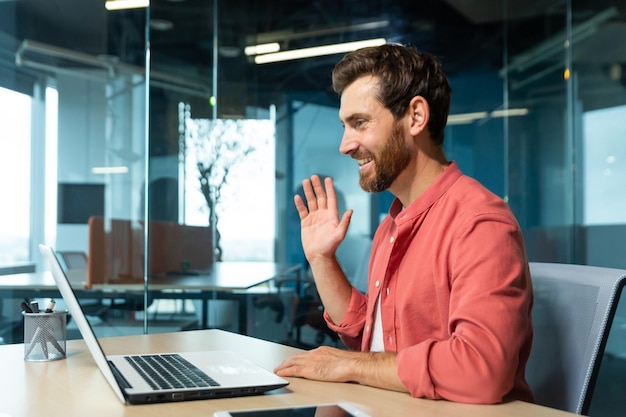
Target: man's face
372, 136
389, 162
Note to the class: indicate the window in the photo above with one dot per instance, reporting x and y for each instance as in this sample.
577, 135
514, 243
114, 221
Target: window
236, 160
604, 170
15, 150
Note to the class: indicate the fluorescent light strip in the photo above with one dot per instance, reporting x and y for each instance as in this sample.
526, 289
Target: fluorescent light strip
109, 170
264, 48
126, 4
317, 51
290, 35
509, 112
464, 118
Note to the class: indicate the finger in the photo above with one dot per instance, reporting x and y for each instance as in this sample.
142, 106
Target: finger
320, 193
310, 195
345, 221
285, 371
300, 206
331, 195
287, 368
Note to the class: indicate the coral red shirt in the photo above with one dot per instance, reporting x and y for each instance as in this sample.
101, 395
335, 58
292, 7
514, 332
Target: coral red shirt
455, 291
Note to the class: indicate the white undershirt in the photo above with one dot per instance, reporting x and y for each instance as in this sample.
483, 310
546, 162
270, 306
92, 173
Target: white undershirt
377, 344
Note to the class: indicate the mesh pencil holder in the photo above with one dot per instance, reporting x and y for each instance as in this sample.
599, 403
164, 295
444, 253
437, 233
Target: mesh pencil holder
45, 335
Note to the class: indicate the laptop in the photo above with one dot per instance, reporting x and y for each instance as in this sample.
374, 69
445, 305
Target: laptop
136, 379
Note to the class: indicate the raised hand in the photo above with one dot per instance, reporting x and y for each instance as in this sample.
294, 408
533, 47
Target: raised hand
322, 230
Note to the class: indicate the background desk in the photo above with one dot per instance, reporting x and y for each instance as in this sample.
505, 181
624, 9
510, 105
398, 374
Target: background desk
229, 280
75, 387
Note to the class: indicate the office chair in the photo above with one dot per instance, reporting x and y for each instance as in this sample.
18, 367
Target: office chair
76, 262
573, 310
297, 304
73, 260
306, 309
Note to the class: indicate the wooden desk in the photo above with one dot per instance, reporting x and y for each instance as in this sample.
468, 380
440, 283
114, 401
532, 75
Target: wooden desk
75, 387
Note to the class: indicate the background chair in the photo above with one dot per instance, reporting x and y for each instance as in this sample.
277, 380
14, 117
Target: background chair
573, 311
74, 260
298, 301
75, 264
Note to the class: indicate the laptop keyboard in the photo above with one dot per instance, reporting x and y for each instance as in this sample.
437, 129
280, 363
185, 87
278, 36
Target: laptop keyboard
170, 371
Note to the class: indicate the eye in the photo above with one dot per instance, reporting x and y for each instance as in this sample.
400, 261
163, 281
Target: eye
358, 123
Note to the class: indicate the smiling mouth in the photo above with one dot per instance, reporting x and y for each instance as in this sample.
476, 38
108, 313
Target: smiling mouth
364, 163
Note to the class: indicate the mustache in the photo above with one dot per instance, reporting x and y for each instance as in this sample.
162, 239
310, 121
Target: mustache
363, 155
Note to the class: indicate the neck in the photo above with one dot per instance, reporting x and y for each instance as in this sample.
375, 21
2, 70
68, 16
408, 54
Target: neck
419, 175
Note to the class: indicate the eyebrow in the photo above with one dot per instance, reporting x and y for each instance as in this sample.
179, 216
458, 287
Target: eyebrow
354, 116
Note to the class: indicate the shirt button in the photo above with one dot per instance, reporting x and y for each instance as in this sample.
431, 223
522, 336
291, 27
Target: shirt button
377, 284
387, 291
367, 328
392, 239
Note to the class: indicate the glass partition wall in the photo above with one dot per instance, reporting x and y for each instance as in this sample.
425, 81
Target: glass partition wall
83, 69
164, 176
564, 153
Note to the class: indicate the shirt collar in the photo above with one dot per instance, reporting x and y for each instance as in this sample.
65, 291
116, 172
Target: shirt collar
429, 196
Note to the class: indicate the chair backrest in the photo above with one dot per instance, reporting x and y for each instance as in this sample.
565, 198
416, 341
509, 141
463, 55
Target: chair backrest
572, 314
74, 260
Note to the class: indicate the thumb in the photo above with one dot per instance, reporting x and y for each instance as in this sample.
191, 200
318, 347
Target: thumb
345, 221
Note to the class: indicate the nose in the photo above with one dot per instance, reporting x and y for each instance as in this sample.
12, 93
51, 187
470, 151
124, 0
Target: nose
348, 143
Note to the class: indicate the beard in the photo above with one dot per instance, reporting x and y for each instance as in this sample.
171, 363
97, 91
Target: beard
393, 158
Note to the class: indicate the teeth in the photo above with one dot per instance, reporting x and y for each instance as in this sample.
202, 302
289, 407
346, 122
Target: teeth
363, 161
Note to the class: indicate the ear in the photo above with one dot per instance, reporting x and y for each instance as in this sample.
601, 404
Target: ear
419, 112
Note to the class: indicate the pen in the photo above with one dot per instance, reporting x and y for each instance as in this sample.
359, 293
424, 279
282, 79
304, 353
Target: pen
34, 306
25, 307
51, 305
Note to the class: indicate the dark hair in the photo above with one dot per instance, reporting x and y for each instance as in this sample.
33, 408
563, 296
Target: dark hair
403, 73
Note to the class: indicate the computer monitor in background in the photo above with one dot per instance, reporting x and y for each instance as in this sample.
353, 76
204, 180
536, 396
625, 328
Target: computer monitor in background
76, 202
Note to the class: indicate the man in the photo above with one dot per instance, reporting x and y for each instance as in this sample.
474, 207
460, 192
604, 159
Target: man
447, 311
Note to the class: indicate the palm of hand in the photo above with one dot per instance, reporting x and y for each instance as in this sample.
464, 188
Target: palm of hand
321, 232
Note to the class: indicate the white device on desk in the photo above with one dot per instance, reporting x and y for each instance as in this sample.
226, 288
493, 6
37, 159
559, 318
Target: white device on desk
134, 378
318, 410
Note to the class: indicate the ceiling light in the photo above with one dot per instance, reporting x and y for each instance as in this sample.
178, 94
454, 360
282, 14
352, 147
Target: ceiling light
464, 118
291, 34
264, 48
161, 25
126, 4
509, 112
337, 48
